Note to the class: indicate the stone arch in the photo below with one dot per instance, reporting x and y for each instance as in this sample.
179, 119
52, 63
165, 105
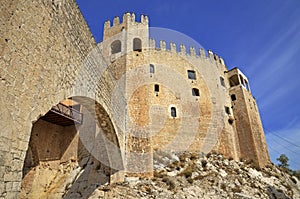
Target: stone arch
88, 148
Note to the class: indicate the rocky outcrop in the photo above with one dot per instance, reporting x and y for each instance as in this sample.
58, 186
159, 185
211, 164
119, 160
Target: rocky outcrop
194, 176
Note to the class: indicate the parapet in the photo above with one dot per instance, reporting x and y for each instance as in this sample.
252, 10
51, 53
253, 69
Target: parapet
128, 19
127, 22
183, 51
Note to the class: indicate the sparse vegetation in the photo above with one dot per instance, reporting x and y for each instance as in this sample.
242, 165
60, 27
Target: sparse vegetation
203, 162
284, 166
187, 172
201, 176
169, 182
283, 159
223, 186
194, 156
157, 174
190, 180
183, 157
236, 189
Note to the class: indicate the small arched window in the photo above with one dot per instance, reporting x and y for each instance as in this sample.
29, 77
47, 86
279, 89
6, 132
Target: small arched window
116, 47
151, 68
137, 44
173, 112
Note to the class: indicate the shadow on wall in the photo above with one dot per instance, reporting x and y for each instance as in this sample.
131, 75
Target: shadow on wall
92, 175
50, 142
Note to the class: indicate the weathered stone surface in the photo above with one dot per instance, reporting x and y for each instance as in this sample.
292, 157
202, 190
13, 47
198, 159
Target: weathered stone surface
240, 182
49, 55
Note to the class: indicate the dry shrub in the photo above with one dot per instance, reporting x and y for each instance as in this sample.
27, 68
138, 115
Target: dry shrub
236, 189
194, 156
169, 182
187, 172
190, 180
158, 174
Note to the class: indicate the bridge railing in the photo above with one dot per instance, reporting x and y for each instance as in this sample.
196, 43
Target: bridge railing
68, 112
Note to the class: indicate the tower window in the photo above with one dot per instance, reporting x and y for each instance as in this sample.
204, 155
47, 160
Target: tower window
137, 44
173, 112
222, 81
191, 74
156, 88
116, 47
227, 110
234, 80
151, 68
247, 85
233, 97
195, 92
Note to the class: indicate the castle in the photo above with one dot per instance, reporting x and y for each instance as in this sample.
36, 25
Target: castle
66, 98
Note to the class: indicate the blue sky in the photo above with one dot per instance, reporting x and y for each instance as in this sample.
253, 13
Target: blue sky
262, 38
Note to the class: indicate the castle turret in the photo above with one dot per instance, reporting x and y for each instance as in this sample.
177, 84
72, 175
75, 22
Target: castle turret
248, 124
124, 44
176, 99
126, 36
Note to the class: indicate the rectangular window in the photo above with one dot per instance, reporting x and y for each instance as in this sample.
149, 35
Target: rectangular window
151, 68
222, 81
195, 92
156, 88
191, 74
173, 112
233, 97
234, 80
227, 110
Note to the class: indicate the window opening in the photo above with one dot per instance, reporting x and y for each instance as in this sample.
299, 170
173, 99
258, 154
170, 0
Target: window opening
173, 112
156, 88
191, 74
242, 80
234, 80
195, 92
137, 44
233, 97
247, 85
116, 47
151, 68
227, 110
222, 81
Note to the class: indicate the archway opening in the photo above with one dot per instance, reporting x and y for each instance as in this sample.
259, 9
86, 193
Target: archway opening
68, 150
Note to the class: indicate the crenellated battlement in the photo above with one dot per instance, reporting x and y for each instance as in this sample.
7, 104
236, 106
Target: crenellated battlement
201, 53
128, 19
128, 22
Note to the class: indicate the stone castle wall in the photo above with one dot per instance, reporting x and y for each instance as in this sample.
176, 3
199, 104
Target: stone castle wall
211, 121
48, 54
42, 46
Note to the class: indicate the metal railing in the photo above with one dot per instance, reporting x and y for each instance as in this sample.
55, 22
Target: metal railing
68, 112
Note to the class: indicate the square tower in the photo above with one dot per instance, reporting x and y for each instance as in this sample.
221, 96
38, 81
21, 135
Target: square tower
251, 139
